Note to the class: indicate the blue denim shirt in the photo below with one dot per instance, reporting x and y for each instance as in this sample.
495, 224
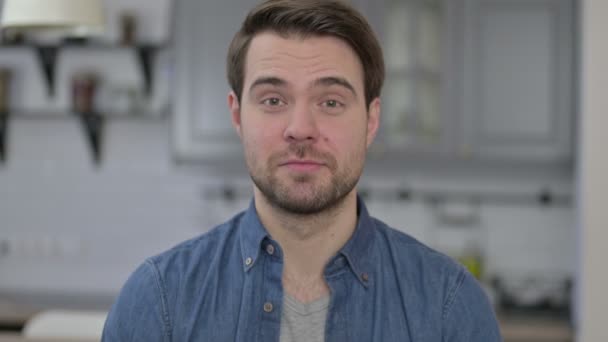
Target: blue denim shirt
226, 286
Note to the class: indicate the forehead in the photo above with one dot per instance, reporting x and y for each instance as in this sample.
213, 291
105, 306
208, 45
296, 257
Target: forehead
301, 60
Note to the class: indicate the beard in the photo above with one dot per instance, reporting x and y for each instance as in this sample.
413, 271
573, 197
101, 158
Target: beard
306, 194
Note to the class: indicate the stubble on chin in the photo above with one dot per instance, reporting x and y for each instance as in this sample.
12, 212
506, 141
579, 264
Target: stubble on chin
302, 194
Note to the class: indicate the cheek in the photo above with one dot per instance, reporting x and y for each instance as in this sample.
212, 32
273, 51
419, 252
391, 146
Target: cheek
345, 138
270, 134
262, 136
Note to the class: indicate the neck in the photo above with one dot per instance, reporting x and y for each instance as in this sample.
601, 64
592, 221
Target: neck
308, 241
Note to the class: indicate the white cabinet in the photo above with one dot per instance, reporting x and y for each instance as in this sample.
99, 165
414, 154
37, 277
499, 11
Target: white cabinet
478, 79
517, 90
413, 44
204, 30
414, 35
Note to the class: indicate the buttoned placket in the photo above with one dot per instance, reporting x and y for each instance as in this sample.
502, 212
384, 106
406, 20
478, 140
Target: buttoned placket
340, 277
337, 277
271, 292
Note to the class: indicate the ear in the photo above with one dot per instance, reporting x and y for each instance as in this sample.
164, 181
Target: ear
235, 112
373, 120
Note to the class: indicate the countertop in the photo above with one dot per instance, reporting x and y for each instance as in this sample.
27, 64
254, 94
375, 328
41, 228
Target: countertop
535, 329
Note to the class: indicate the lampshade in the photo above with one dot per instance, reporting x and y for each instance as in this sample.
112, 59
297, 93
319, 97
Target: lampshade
76, 16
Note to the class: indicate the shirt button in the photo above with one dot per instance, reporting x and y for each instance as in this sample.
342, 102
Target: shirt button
268, 307
248, 261
270, 249
365, 277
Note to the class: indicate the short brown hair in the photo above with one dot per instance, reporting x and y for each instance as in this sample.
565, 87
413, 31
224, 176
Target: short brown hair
304, 18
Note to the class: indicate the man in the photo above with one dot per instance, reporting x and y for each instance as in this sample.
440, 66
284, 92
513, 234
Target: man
305, 262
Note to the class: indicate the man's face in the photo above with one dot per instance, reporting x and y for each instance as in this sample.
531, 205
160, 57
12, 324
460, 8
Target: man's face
303, 120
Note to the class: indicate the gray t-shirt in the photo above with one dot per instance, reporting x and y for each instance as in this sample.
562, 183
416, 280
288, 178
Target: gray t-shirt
303, 322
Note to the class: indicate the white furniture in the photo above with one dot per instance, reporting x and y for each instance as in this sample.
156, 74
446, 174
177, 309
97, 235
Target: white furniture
202, 129
517, 83
63, 324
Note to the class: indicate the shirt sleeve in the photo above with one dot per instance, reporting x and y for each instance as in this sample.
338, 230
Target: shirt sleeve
139, 313
468, 315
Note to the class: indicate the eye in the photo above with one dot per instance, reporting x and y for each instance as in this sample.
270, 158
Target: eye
273, 102
332, 104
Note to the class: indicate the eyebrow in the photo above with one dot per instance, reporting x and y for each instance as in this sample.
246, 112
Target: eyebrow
324, 81
273, 81
339, 81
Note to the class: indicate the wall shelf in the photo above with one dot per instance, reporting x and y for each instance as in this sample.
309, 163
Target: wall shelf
47, 56
67, 114
93, 125
544, 197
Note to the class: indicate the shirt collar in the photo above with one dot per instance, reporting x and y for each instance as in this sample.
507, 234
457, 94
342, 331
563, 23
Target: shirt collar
357, 250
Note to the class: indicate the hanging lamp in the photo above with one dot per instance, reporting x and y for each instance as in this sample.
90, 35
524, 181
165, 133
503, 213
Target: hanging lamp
74, 17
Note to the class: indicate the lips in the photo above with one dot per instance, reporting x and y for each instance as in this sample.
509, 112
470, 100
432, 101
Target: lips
302, 165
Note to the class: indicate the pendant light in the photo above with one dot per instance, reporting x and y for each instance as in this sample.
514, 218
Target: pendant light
74, 17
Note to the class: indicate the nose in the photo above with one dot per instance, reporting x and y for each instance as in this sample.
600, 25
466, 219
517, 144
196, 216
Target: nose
302, 126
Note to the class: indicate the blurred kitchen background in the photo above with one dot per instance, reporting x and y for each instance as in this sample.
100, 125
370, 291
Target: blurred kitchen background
121, 146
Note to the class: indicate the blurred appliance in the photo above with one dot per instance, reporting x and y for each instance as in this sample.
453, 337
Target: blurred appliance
533, 294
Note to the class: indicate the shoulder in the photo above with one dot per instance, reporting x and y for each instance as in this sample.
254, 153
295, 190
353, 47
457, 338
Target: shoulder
153, 292
422, 269
406, 249
200, 250
438, 281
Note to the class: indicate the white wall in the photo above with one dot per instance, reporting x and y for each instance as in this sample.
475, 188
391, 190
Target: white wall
72, 226
593, 170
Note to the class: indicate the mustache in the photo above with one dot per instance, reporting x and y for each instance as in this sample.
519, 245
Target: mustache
302, 151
